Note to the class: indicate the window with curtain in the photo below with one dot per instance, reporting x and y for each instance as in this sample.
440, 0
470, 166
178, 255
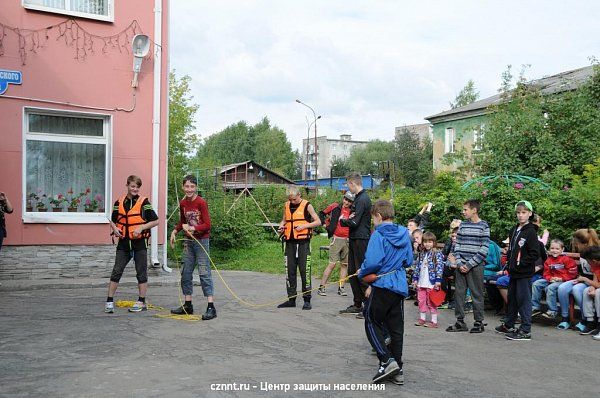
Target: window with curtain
66, 163
96, 9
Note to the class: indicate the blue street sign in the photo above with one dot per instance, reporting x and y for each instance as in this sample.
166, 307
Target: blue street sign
9, 77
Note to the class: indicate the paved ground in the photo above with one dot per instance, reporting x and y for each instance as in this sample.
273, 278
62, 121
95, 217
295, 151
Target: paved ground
58, 342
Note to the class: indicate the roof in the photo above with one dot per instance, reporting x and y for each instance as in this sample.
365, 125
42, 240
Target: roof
228, 167
561, 82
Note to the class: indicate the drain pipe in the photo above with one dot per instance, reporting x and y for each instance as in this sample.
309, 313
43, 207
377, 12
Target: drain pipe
156, 124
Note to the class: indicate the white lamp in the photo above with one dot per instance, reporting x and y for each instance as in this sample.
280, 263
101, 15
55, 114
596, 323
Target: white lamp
140, 46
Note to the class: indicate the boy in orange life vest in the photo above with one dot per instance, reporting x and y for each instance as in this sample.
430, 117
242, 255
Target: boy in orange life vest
194, 220
131, 221
296, 229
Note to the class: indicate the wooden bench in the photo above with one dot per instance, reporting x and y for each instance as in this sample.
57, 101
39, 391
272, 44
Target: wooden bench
576, 257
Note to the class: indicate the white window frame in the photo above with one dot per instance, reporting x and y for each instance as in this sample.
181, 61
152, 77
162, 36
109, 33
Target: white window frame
477, 139
66, 11
106, 139
449, 137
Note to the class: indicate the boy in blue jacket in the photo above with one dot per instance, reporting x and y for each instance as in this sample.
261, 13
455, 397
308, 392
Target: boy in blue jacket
389, 253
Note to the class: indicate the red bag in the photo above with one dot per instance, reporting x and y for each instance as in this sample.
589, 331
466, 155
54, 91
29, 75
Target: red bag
369, 278
437, 297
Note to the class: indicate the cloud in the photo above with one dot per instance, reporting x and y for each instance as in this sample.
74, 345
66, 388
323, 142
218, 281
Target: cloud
365, 66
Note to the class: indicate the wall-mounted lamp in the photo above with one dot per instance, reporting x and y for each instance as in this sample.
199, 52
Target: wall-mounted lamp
140, 46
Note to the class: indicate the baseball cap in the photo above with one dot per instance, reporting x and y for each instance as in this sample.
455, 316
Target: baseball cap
349, 196
525, 203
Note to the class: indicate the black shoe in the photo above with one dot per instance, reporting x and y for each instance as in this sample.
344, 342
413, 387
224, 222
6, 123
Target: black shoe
536, 312
458, 327
386, 369
306, 305
588, 329
478, 327
398, 379
287, 304
518, 335
502, 329
210, 313
360, 315
183, 310
351, 310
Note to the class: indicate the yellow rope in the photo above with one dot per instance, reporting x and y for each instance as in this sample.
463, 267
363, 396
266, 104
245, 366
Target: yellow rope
189, 317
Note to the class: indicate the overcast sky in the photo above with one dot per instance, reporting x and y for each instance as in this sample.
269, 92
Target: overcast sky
365, 66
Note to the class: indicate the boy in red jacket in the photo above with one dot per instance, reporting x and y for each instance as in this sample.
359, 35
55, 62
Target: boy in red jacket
558, 268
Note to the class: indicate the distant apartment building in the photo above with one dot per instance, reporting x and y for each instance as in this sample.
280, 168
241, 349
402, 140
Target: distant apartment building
328, 150
423, 130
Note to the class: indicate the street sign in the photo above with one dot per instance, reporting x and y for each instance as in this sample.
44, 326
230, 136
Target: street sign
9, 77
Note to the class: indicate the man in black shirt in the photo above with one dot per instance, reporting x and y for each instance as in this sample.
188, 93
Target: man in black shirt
360, 232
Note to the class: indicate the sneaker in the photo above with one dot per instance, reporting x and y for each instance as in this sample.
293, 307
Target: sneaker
444, 306
588, 329
287, 304
342, 291
580, 327
386, 370
306, 305
468, 308
138, 306
398, 378
549, 315
420, 322
431, 325
211, 313
351, 310
564, 325
536, 312
478, 327
183, 310
109, 307
518, 335
321, 291
502, 329
360, 315
596, 337
451, 305
458, 327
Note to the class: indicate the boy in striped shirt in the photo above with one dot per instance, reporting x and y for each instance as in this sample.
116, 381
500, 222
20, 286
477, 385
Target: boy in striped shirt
470, 252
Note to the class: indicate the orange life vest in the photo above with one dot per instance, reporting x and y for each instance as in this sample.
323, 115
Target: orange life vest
295, 219
127, 221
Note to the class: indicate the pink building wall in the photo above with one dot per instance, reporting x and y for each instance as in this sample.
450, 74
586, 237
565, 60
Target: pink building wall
100, 80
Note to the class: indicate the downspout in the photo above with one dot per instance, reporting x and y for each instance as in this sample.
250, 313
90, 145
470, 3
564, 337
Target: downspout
165, 263
156, 124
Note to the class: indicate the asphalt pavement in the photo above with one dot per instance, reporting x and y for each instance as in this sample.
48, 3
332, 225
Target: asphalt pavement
57, 342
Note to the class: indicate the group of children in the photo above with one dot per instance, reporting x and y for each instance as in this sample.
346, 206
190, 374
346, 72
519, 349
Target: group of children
521, 275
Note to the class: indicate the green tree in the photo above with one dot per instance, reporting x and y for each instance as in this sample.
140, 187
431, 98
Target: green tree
265, 144
413, 158
531, 133
182, 141
467, 95
340, 167
272, 148
365, 160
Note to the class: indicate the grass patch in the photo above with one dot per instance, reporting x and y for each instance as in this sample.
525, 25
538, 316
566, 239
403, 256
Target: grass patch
267, 256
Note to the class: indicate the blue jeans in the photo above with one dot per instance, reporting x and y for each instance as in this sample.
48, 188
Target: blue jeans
193, 255
551, 289
563, 295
